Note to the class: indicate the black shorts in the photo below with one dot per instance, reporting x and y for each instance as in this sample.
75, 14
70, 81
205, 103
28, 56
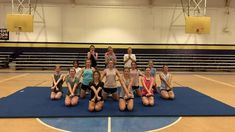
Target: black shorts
167, 90
147, 96
56, 91
135, 87
126, 98
96, 101
110, 90
85, 87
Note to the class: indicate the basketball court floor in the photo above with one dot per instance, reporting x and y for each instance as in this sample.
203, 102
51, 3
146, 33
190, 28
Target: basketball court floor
220, 86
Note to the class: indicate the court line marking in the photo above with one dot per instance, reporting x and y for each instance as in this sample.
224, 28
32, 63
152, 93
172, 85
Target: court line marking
159, 129
58, 129
109, 124
216, 81
8, 79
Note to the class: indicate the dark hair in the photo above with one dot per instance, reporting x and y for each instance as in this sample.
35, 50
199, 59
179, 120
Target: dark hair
57, 66
147, 67
75, 62
96, 71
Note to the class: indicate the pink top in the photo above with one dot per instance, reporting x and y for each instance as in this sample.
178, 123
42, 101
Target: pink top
147, 84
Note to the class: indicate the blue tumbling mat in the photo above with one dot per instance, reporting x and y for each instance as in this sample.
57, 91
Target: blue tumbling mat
35, 102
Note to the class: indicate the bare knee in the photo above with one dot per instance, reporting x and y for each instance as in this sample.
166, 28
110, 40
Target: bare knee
151, 103
91, 109
130, 107
58, 95
145, 102
164, 95
67, 103
98, 108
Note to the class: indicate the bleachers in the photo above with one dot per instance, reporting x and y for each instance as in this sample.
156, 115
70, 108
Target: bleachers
5, 58
176, 62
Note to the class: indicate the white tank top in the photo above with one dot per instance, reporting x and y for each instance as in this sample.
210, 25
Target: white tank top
165, 77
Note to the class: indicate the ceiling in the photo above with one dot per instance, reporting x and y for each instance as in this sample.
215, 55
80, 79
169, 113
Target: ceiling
210, 3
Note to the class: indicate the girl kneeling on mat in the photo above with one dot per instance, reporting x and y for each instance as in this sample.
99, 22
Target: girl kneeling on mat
126, 99
96, 101
166, 90
135, 73
72, 81
57, 82
87, 72
147, 91
110, 85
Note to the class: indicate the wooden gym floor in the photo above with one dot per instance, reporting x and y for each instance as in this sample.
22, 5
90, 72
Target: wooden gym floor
220, 86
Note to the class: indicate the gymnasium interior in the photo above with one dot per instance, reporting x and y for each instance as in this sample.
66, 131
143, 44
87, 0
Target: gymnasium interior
194, 38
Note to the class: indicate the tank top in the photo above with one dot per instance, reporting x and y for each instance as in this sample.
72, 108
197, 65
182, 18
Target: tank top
153, 72
135, 74
127, 82
110, 81
87, 76
57, 77
93, 60
148, 82
72, 82
165, 77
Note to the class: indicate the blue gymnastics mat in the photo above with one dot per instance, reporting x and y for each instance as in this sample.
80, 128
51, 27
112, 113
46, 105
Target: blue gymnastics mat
35, 102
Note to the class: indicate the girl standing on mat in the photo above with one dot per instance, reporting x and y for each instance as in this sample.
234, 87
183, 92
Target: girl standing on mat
72, 81
147, 91
87, 73
110, 55
110, 85
93, 56
135, 73
126, 97
166, 90
128, 58
96, 101
57, 82
153, 72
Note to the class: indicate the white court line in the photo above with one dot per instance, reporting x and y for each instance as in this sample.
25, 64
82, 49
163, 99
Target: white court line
109, 124
220, 82
159, 129
61, 130
8, 79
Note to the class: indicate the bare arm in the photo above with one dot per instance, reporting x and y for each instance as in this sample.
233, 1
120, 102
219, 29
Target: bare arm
54, 82
96, 56
88, 55
145, 87
81, 74
74, 88
103, 75
166, 82
69, 88
126, 58
133, 58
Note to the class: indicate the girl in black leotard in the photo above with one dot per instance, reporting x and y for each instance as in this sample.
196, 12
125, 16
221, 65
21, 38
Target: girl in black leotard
93, 56
96, 102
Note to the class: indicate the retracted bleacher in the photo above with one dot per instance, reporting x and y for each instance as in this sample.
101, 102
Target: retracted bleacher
5, 58
176, 62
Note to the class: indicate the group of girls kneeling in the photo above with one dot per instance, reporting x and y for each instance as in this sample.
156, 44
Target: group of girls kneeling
91, 81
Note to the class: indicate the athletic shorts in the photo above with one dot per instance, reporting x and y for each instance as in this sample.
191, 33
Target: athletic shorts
135, 87
85, 87
110, 90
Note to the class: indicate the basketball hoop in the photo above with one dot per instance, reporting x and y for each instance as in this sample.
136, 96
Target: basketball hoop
199, 29
18, 29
